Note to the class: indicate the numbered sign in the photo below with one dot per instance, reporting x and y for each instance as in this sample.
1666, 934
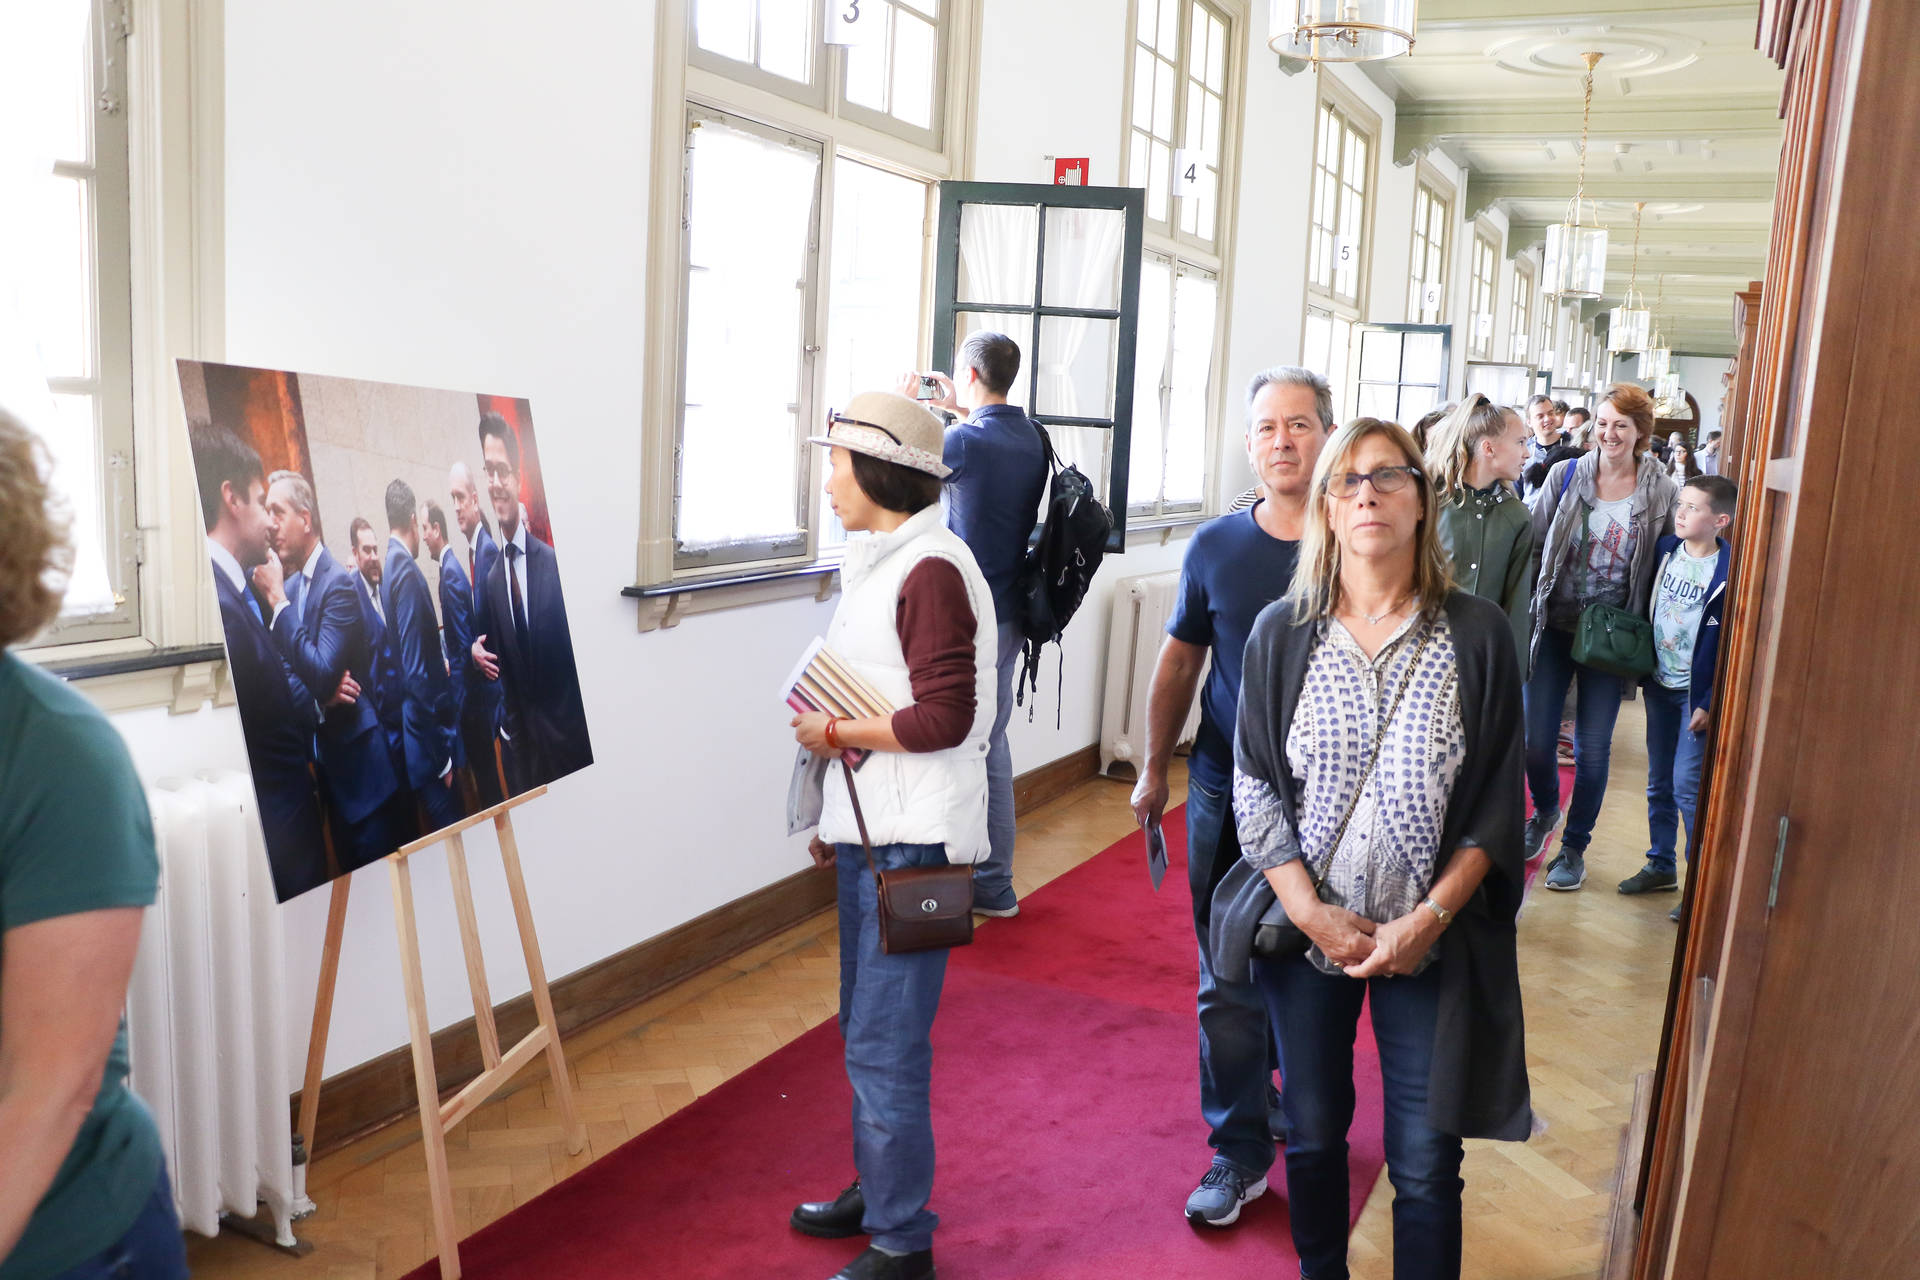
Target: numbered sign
1483, 326
1430, 297
1188, 168
1343, 252
855, 22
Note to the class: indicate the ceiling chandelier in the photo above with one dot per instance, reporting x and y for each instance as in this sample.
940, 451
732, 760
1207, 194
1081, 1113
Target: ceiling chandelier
1656, 358
1574, 267
1668, 401
1341, 30
1629, 323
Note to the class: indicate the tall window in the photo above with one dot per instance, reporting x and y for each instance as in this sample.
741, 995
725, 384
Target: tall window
1173, 375
1427, 270
1486, 273
65, 287
1325, 347
1342, 186
1520, 323
803, 256
1179, 111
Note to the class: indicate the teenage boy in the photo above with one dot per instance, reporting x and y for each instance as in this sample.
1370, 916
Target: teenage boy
1548, 446
1235, 566
1689, 595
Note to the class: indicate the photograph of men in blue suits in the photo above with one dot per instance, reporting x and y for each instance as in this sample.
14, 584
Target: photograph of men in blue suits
278, 714
428, 712
480, 705
319, 628
386, 691
531, 648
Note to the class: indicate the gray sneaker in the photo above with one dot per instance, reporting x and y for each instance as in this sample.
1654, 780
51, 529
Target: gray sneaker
1539, 827
1216, 1201
1568, 870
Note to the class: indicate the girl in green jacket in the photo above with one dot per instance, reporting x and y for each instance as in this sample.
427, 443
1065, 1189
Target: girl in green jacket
1475, 456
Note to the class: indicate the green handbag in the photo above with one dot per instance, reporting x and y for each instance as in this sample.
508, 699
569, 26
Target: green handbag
1616, 641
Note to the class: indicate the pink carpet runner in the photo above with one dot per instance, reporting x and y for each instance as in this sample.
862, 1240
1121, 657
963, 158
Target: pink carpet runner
1066, 1112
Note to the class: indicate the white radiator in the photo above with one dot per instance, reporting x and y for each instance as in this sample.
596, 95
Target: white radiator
206, 1012
1141, 607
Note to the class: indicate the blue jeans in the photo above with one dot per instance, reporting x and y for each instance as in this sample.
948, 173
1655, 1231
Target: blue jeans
1598, 706
1673, 773
1235, 1053
150, 1249
993, 878
887, 1005
1314, 1017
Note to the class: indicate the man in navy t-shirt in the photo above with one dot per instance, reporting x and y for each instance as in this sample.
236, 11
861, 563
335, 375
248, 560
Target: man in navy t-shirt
992, 501
1235, 566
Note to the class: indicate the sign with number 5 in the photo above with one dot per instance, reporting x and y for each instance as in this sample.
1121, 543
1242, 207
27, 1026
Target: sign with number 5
852, 22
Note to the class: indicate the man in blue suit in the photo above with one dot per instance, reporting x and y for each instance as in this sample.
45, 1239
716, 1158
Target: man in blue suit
532, 654
480, 705
429, 715
277, 713
319, 627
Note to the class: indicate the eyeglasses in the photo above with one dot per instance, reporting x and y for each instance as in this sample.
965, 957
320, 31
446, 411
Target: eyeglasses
1345, 484
834, 415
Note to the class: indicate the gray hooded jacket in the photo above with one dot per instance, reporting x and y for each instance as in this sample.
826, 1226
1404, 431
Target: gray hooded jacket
1557, 517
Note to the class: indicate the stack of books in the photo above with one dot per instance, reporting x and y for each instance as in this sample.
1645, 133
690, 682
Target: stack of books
822, 681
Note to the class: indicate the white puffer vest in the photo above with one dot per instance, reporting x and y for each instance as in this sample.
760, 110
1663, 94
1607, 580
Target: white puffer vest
934, 797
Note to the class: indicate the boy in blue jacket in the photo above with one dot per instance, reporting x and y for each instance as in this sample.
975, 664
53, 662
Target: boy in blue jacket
1689, 595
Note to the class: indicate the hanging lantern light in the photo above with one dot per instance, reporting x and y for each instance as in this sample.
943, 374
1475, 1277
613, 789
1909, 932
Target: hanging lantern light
1629, 324
1342, 30
1574, 265
1667, 401
1656, 358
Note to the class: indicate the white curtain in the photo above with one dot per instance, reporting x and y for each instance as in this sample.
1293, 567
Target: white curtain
1083, 248
999, 245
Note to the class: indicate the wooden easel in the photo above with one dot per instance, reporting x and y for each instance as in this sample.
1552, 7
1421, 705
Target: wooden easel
437, 1117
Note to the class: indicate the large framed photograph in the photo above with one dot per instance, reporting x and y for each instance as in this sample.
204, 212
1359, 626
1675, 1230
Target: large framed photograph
389, 589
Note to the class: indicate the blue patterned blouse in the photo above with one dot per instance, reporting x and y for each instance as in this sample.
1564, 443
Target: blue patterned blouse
1385, 864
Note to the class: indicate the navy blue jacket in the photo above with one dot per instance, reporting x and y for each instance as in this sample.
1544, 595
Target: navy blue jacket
993, 496
1706, 641
277, 716
482, 703
428, 711
386, 689
325, 637
544, 715
456, 638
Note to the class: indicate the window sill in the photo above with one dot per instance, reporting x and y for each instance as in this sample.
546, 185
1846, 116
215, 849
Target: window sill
1159, 532
664, 604
182, 678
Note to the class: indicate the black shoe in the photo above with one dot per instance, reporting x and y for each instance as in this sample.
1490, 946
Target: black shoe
834, 1219
1647, 880
875, 1265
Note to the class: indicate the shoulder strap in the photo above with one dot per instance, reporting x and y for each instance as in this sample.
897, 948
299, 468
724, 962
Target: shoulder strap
860, 820
1566, 479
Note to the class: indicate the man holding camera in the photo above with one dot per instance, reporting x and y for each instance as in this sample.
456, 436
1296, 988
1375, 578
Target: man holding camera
999, 468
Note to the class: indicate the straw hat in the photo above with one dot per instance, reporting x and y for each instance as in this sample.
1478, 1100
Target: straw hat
890, 427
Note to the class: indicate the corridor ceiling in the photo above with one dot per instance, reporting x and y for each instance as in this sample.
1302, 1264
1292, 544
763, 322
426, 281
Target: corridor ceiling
1686, 116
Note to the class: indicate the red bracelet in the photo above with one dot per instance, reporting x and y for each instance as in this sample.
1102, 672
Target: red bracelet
833, 739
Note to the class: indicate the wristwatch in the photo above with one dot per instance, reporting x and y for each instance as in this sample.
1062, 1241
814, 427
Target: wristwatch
1440, 913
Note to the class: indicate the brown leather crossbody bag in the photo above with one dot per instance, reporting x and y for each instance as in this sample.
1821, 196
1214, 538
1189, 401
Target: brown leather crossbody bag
921, 908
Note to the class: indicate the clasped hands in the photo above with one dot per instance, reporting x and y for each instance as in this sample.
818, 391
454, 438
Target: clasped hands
1363, 948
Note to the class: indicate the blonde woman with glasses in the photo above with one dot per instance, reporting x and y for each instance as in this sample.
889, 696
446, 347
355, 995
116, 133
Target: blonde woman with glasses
1377, 787
1475, 456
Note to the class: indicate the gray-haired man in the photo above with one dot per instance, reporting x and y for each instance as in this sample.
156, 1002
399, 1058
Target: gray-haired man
1235, 566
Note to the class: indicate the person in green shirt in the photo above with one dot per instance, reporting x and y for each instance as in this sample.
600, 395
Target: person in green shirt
83, 1187
1475, 456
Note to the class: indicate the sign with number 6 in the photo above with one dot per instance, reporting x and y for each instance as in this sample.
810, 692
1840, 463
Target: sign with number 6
854, 22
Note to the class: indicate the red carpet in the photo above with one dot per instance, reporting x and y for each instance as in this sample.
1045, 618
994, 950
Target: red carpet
1539, 860
1066, 1109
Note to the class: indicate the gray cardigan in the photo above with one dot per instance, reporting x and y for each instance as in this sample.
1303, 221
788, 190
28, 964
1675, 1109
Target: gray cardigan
1557, 515
1478, 1084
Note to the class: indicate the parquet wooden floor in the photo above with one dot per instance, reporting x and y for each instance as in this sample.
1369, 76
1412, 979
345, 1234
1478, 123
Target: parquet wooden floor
1593, 965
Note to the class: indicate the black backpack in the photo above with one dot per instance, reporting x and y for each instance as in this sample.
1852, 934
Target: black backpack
1060, 566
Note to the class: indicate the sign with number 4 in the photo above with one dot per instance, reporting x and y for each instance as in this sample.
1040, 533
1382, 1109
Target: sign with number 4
1188, 168
852, 22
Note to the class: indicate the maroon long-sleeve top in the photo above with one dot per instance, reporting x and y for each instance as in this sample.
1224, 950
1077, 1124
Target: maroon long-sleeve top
936, 624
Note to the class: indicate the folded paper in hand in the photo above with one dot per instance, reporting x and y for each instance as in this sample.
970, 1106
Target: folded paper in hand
1156, 853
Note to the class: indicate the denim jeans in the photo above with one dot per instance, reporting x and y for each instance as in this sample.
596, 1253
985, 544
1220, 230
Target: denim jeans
1597, 708
1235, 1052
993, 879
887, 1005
150, 1249
1314, 1017
1674, 754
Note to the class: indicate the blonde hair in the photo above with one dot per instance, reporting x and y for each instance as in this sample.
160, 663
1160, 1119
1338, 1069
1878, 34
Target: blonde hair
36, 557
1315, 591
1451, 444
1632, 401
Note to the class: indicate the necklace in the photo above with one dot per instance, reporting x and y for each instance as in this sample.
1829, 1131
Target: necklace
1375, 619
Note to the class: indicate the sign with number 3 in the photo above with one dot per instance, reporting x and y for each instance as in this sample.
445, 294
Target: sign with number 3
852, 22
